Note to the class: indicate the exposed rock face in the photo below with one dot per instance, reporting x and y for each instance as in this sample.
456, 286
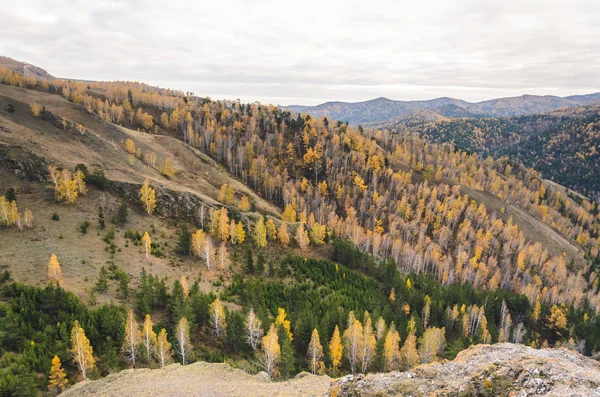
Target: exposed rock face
169, 203
23, 164
485, 370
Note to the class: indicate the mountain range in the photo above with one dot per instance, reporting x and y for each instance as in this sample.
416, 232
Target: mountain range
381, 110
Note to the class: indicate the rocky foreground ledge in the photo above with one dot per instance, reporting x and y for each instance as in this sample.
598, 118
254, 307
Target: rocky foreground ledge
485, 370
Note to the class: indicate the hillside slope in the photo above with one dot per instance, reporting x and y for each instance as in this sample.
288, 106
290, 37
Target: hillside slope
484, 370
562, 145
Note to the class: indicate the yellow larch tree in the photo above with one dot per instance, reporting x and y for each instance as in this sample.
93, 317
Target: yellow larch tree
284, 322
353, 342
302, 236
79, 178
432, 343
147, 244
271, 351
241, 233
198, 240
223, 255
81, 350
226, 194
67, 187
253, 327
289, 212
167, 168
28, 218
217, 318
283, 235
148, 336
182, 335
148, 197
336, 348
391, 349
260, 233
162, 348
244, 204
35, 108
54, 271
184, 286
369, 344
271, 230
317, 233
223, 233
130, 146
57, 381
409, 353
133, 338
315, 353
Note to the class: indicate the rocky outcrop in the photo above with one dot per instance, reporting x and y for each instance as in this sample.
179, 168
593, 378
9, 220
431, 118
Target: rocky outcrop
169, 203
485, 370
23, 164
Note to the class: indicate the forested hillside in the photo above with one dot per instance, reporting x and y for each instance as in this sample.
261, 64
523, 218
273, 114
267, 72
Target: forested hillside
197, 229
561, 145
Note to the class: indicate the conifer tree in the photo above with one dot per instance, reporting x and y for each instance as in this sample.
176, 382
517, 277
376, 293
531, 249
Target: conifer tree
133, 338
335, 350
83, 355
162, 348
315, 353
57, 381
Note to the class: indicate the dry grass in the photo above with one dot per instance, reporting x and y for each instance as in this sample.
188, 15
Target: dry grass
198, 379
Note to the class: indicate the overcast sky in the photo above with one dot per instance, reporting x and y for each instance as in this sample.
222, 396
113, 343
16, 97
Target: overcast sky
308, 52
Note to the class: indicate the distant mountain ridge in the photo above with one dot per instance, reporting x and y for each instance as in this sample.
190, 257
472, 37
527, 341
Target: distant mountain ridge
382, 109
25, 68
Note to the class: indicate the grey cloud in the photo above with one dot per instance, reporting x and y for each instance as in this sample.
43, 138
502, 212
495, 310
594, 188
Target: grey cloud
312, 51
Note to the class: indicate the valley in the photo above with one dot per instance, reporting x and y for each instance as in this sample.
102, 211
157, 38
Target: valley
201, 231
